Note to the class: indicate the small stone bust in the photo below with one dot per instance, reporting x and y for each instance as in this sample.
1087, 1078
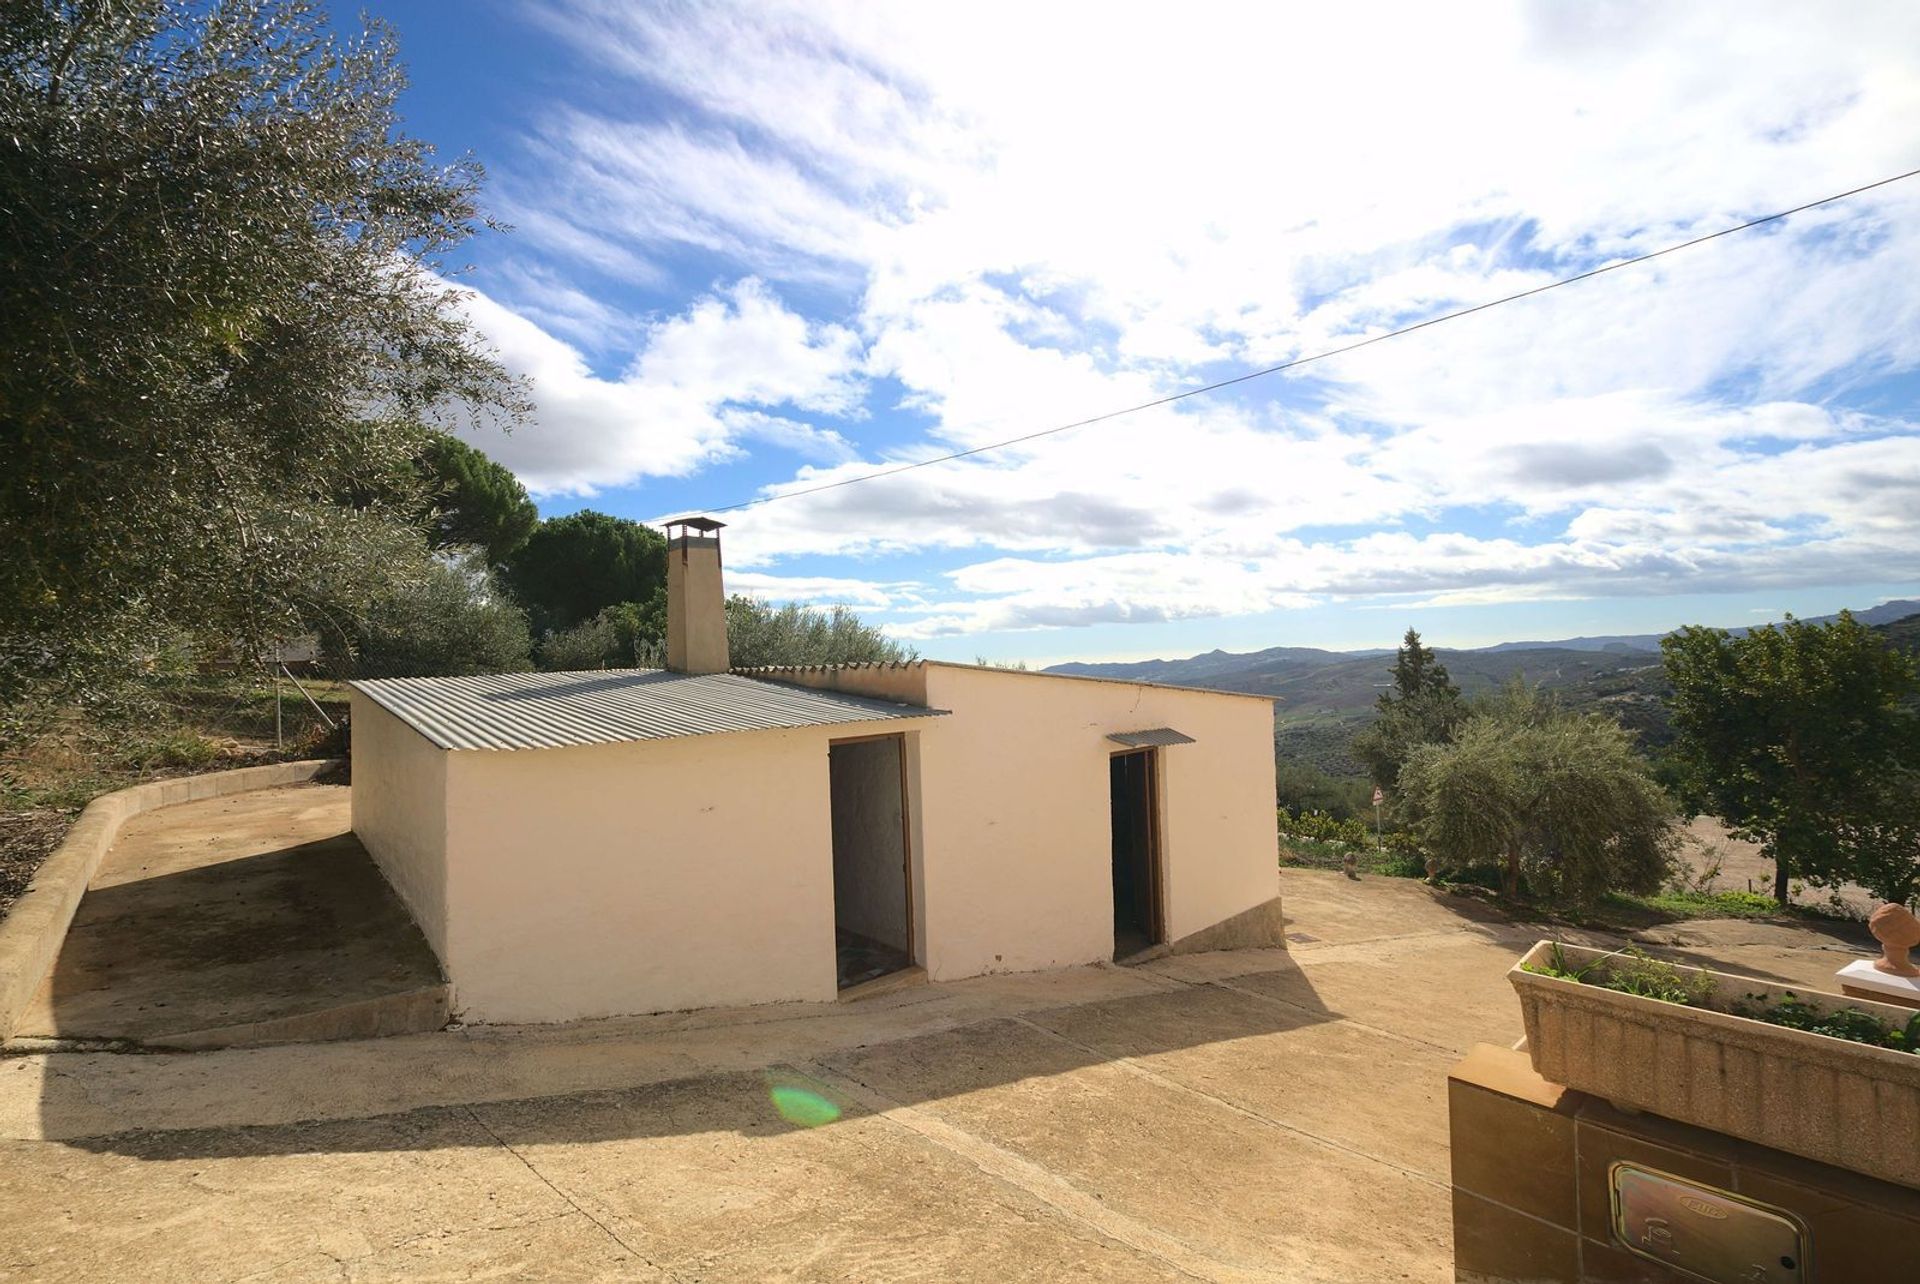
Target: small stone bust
1898, 932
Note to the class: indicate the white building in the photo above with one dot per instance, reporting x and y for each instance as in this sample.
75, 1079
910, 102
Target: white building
591, 844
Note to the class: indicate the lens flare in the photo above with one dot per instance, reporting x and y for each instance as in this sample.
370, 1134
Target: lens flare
802, 1106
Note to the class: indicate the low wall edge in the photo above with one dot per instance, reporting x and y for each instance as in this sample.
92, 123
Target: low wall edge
36, 927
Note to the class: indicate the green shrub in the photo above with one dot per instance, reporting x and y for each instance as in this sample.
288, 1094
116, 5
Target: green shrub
1485, 876
1848, 1023
1630, 971
622, 636
1327, 842
1301, 787
448, 618
1318, 826
1729, 904
590, 644
180, 749
1404, 862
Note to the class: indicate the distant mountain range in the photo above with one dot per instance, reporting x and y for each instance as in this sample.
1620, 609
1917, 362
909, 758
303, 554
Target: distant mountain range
1885, 613
1322, 697
1192, 670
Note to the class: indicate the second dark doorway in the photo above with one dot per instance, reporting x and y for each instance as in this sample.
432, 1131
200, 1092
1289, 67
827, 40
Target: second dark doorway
1136, 852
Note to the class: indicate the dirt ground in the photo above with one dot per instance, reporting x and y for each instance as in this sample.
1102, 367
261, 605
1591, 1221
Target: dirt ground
204, 722
1742, 867
27, 838
1265, 1115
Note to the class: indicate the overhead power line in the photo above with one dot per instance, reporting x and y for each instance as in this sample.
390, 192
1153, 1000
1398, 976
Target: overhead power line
1297, 362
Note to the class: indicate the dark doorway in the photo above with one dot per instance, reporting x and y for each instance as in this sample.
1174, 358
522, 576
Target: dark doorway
872, 902
1136, 852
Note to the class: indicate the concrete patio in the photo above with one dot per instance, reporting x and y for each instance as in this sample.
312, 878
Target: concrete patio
246, 919
1247, 1116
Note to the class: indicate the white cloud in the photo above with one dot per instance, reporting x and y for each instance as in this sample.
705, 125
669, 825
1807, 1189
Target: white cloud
824, 590
1119, 203
687, 399
808, 441
542, 296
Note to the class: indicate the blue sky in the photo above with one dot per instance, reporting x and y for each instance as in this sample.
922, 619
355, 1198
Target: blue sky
759, 246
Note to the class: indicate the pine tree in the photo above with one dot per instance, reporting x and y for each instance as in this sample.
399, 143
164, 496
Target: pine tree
1422, 707
1417, 674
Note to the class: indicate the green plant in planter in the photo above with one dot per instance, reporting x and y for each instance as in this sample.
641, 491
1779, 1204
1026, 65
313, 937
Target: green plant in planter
1559, 965
1631, 972
1848, 1023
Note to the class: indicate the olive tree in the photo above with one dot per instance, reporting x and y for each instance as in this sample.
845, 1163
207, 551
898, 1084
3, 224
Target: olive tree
621, 636
1560, 802
224, 322
759, 634
449, 617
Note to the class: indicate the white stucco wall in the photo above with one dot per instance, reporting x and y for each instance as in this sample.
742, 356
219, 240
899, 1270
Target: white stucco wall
400, 813
643, 877
1014, 794
660, 875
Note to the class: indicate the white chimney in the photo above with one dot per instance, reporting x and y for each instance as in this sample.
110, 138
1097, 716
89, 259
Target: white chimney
696, 602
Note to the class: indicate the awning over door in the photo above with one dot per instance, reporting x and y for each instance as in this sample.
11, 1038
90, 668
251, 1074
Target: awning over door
1151, 737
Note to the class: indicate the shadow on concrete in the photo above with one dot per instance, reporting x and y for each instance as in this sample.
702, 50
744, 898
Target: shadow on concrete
258, 938
790, 1093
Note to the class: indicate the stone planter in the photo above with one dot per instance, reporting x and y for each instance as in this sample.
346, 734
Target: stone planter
1843, 1103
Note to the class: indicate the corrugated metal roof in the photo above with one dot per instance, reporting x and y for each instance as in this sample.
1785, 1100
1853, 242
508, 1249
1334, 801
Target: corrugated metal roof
776, 669
1151, 736
608, 706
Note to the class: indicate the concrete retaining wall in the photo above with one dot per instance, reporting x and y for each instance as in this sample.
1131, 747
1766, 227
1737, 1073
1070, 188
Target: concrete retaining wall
31, 934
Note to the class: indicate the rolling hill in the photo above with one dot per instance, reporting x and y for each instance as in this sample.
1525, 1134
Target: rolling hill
1322, 697
1885, 613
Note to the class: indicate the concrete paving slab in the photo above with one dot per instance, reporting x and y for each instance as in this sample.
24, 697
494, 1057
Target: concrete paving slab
714, 1182
428, 1195
81, 1095
1283, 1064
1398, 992
1245, 1193
1398, 919
1331, 908
1785, 953
245, 919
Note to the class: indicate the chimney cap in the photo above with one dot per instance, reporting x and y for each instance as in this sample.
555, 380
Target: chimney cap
697, 523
